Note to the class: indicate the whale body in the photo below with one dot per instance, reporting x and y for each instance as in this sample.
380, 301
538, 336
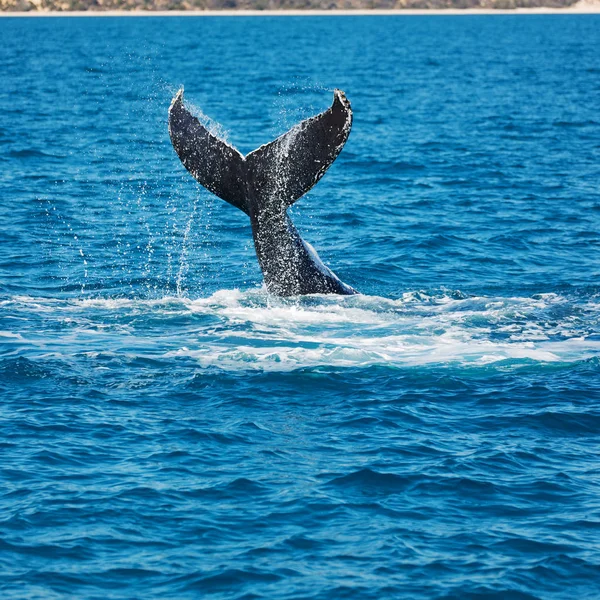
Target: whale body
265, 183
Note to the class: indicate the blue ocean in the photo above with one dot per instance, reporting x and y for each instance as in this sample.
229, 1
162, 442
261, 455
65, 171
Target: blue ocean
171, 430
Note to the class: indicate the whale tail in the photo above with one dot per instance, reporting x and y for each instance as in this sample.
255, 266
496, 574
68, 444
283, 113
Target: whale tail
279, 172
215, 164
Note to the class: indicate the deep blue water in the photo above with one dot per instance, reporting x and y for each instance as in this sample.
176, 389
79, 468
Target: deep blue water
170, 431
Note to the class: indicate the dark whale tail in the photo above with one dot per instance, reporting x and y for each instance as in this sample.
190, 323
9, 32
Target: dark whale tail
215, 164
265, 183
279, 172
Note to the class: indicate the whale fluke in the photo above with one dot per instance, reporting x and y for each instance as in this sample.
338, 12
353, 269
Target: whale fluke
284, 169
288, 167
265, 183
216, 165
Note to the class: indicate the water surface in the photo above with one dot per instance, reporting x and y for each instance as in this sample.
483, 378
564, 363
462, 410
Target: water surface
171, 431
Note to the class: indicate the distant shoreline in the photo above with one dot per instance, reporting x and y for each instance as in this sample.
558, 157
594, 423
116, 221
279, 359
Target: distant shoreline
578, 9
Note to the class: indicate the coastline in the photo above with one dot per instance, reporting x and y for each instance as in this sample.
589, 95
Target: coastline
581, 8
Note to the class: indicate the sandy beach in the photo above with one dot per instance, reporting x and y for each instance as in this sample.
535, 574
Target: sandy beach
582, 8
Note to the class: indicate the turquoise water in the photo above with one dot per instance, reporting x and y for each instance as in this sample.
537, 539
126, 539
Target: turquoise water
171, 431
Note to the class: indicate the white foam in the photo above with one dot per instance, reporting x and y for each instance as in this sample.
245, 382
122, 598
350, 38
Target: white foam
257, 331
10, 334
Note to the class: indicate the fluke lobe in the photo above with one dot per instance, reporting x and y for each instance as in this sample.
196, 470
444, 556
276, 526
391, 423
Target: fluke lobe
265, 183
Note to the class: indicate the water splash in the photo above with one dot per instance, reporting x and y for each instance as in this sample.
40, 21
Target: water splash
252, 330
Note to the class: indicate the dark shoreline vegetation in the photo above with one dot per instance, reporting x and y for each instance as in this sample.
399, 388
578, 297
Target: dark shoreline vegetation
104, 5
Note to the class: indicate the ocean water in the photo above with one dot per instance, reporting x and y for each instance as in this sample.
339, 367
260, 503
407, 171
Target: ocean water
169, 430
